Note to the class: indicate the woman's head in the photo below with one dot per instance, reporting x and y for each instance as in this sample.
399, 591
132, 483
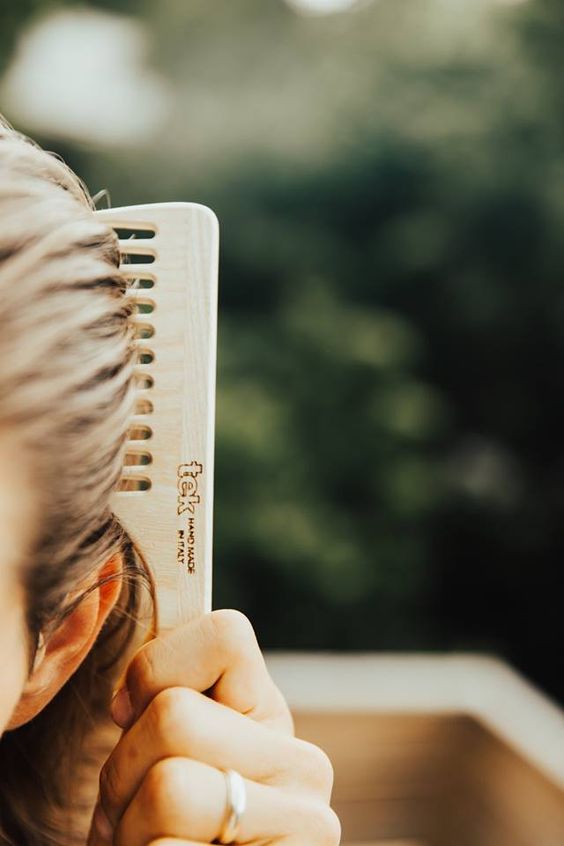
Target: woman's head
66, 394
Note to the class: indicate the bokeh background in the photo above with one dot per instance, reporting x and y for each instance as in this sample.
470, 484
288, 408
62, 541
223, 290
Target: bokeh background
389, 178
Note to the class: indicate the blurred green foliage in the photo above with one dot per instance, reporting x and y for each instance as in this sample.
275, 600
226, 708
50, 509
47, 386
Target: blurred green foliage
389, 473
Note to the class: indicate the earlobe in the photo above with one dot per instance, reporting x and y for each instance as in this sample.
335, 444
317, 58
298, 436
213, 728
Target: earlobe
60, 655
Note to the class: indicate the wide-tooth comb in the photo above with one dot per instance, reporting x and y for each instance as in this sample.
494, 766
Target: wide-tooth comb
169, 254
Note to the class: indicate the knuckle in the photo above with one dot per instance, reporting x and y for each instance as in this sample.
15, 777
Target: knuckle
319, 768
234, 633
162, 783
328, 827
280, 715
233, 628
319, 822
167, 712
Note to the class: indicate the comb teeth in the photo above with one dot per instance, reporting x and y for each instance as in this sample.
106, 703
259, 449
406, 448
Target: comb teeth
138, 262
169, 257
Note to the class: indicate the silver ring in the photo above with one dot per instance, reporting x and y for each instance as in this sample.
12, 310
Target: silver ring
235, 807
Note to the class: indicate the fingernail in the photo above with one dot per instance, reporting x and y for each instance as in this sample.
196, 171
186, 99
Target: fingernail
121, 708
102, 824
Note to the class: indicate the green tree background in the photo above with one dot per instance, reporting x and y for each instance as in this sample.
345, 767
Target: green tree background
390, 185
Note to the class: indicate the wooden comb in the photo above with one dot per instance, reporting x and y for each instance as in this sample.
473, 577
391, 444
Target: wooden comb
169, 254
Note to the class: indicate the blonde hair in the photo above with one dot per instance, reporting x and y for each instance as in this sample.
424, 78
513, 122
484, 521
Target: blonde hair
67, 389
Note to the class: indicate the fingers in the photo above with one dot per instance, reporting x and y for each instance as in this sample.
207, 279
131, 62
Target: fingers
217, 653
196, 702
186, 799
183, 723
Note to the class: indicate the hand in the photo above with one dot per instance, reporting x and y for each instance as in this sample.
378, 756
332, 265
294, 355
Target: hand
198, 701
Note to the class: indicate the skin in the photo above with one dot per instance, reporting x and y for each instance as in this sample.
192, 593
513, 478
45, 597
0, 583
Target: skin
25, 690
15, 518
195, 702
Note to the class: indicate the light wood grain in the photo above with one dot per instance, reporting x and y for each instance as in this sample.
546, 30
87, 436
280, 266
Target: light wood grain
172, 522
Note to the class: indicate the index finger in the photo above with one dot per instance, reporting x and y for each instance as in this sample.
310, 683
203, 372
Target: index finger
217, 653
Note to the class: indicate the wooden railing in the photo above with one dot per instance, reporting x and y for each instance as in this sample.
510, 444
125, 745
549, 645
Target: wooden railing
432, 751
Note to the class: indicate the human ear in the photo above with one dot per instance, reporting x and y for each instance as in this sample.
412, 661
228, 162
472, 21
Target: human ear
66, 648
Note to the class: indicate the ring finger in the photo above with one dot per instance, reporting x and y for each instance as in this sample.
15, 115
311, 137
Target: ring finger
182, 798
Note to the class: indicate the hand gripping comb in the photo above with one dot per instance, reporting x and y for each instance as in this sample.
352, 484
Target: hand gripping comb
169, 254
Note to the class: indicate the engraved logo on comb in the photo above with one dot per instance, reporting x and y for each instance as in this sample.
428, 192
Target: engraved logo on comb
187, 500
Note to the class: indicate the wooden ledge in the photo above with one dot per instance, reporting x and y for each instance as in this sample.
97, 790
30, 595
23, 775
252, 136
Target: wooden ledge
480, 687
